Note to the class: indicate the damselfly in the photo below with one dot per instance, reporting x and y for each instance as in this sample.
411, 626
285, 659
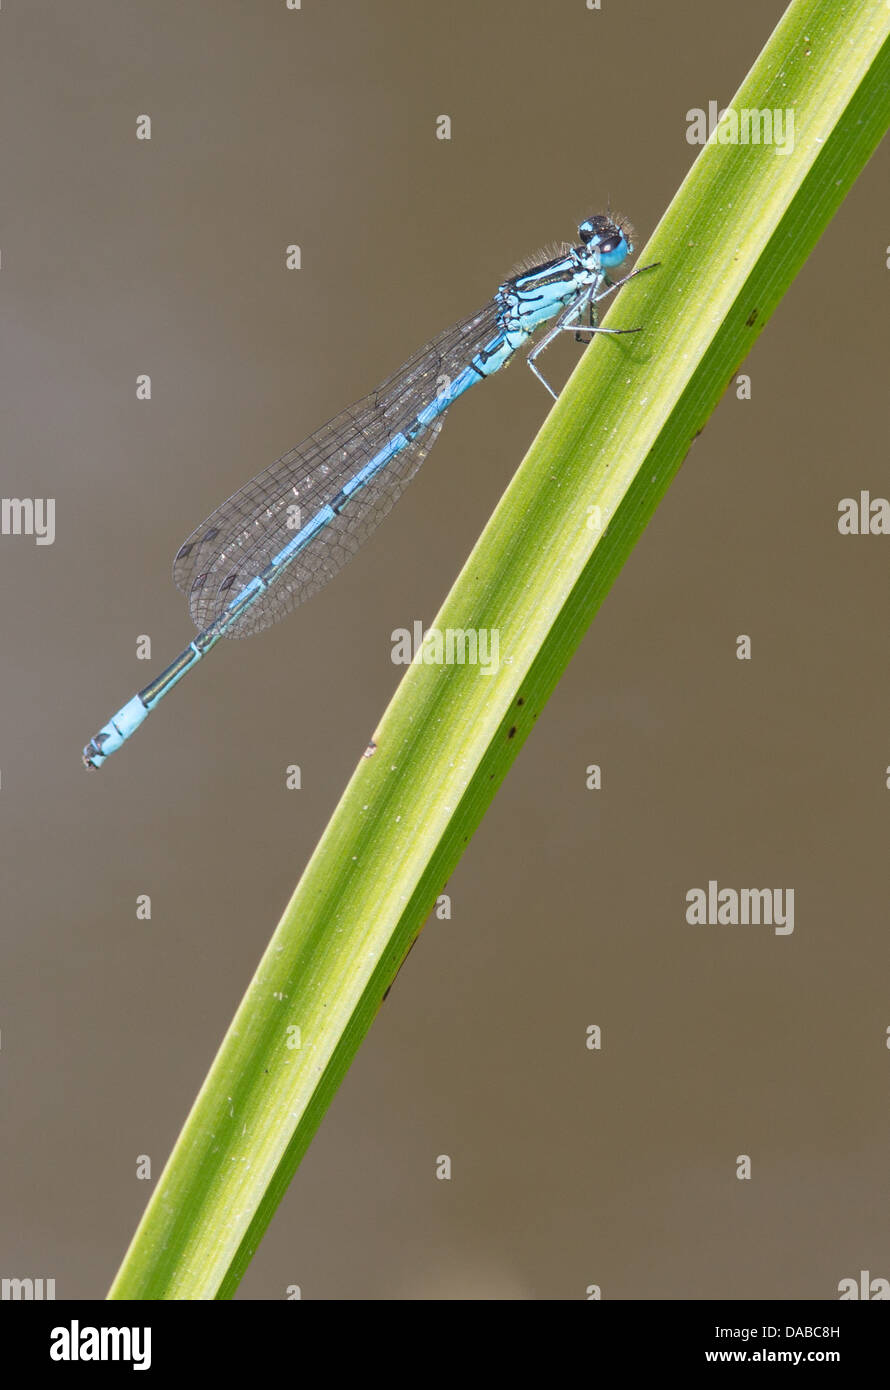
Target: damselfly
281, 537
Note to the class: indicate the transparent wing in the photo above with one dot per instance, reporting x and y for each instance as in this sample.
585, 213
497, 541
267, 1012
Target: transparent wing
242, 536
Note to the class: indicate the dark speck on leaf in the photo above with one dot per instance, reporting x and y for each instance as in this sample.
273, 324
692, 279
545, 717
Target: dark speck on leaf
751, 317
398, 972
521, 700
512, 732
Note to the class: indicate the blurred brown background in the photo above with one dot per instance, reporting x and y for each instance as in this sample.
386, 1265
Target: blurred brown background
121, 257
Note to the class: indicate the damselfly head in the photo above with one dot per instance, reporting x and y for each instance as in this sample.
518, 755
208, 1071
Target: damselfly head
610, 236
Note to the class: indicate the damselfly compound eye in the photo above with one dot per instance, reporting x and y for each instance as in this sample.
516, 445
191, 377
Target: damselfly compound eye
600, 227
